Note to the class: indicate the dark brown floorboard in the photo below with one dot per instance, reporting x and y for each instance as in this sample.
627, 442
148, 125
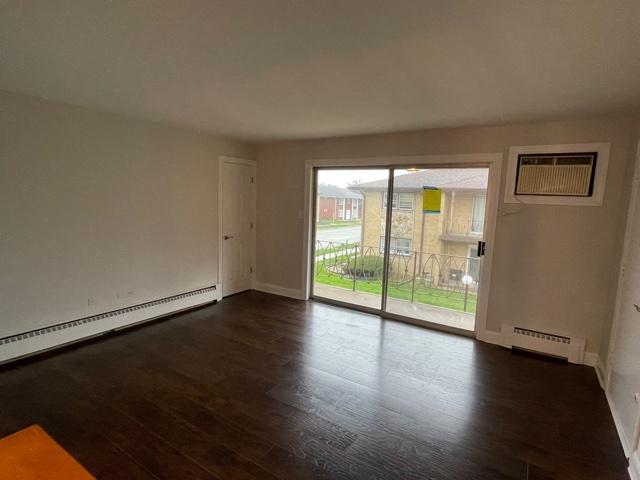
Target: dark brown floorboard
263, 387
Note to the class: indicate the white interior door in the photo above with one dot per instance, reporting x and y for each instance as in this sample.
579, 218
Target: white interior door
238, 220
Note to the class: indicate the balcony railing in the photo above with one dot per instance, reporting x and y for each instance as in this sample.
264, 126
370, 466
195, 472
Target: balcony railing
463, 226
421, 277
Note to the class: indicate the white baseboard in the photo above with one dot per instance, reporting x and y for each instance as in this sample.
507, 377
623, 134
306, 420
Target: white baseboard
634, 466
47, 338
590, 359
278, 290
601, 373
616, 420
489, 336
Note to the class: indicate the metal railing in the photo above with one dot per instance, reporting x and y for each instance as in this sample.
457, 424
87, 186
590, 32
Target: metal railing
463, 226
415, 276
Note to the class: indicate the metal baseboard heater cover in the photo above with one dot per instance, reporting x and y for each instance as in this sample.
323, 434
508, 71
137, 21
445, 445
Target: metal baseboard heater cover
559, 346
19, 345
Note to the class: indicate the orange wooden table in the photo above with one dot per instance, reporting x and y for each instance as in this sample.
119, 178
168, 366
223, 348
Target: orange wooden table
31, 454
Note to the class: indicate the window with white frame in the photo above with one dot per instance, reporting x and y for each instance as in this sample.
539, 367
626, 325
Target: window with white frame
401, 201
399, 246
340, 204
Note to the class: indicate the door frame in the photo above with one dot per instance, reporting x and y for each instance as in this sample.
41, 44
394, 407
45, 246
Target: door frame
222, 159
604, 371
491, 160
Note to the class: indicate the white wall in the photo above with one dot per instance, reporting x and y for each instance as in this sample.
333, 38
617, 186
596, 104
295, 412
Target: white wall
99, 211
555, 268
623, 367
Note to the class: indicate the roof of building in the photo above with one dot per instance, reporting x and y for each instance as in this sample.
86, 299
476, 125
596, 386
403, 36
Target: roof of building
326, 190
444, 178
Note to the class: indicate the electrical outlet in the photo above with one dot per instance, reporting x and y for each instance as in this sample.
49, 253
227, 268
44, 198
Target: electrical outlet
91, 302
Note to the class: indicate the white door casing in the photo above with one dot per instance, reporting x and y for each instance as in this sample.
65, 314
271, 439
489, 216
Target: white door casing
622, 379
237, 210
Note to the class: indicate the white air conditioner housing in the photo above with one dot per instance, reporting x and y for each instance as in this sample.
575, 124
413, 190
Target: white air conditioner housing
568, 174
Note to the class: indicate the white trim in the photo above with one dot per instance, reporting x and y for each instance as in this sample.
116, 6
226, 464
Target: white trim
616, 420
49, 338
489, 336
590, 359
631, 211
486, 261
599, 183
222, 159
492, 160
601, 373
278, 290
634, 466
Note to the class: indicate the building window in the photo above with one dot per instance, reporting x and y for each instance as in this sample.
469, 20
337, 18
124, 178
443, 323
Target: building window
340, 212
477, 215
405, 201
401, 201
399, 246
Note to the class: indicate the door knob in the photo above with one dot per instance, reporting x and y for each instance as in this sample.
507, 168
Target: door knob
227, 237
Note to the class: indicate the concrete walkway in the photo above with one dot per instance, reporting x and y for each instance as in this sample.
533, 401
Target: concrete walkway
430, 313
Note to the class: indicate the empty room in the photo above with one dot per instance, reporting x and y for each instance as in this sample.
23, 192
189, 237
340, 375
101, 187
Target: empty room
320, 239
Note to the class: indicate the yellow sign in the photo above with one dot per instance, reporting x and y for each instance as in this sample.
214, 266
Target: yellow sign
431, 200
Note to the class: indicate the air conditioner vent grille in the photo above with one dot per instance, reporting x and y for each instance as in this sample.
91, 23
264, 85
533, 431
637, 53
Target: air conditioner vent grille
569, 174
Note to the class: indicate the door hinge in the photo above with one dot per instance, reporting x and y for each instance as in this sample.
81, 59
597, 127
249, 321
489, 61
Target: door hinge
251, 179
250, 269
251, 225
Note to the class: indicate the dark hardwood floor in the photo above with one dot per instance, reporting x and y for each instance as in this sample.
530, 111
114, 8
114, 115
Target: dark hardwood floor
263, 387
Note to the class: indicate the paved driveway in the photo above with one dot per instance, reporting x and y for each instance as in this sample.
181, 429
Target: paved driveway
339, 234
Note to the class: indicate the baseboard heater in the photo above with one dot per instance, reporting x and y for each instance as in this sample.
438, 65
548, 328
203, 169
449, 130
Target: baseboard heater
570, 348
35, 341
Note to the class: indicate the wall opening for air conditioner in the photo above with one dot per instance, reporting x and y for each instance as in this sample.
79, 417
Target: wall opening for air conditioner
557, 174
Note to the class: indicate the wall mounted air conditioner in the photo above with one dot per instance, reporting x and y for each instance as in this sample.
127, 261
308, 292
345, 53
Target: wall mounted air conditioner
569, 174
557, 174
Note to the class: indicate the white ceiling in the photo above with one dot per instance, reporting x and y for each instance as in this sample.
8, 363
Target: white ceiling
272, 69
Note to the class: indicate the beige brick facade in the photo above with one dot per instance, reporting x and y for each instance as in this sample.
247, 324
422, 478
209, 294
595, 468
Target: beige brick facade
456, 216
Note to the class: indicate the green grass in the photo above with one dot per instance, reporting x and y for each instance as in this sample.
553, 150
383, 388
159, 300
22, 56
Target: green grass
346, 223
428, 296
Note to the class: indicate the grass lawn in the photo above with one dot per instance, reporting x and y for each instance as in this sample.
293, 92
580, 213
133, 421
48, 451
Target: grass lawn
428, 296
346, 223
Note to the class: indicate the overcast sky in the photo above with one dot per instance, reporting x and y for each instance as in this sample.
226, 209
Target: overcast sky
344, 178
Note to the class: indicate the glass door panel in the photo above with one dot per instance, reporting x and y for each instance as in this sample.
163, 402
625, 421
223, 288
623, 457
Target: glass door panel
433, 272
348, 258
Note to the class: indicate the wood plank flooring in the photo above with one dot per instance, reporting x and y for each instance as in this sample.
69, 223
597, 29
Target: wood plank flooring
264, 387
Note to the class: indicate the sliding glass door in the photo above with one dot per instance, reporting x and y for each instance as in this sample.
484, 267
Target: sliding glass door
348, 258
401, 241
